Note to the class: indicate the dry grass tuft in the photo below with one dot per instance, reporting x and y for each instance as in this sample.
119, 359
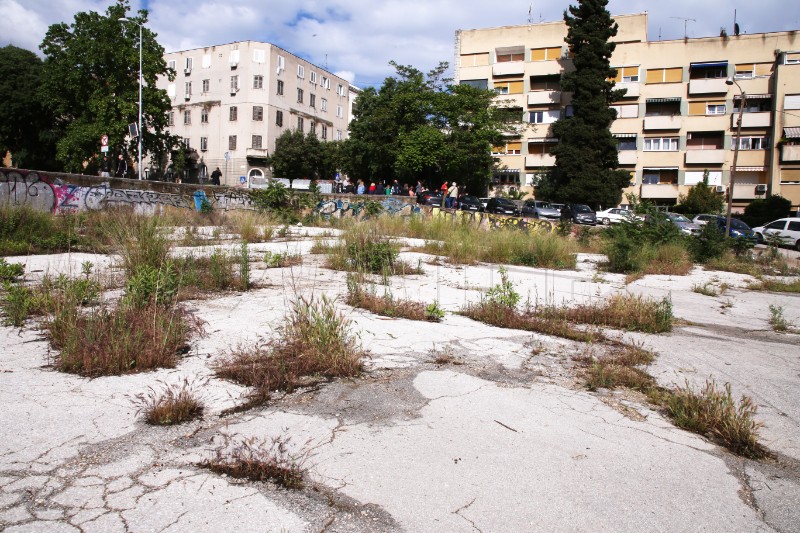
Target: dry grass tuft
387, 305
173, 404
315, 340
260, 460
632, 313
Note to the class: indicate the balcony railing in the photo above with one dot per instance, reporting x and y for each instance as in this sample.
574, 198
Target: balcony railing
753, 120
659, 190
709, 157
627, 157
633, 89
790, 152
662, 122
544, 97
540, 160
508, 68
710, 86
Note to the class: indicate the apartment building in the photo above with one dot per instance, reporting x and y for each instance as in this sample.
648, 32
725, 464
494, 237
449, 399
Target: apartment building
678, 118
231, 102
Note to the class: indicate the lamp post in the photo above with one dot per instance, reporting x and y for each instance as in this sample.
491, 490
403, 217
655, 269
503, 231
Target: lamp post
731, 81
139, 166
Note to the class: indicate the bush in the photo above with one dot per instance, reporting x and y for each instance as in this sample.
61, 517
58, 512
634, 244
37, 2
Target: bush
764, 210
10, 271
710, 244
633, 246
16, 304
150, 284
27, 231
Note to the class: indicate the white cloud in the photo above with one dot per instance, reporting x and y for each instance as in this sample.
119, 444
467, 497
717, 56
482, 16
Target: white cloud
360, 37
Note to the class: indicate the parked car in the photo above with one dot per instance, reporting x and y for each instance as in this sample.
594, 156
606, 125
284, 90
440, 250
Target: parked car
501, 206
430, 198
540, 209
557, 207
615, 215
483, 201
786, 229
702, 220
579, 214
470, 203
684, 224
738, 228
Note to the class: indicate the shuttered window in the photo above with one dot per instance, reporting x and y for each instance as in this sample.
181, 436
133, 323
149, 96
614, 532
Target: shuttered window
546, 54
626, 74
664, 75
706, 107
791, 101
475, 60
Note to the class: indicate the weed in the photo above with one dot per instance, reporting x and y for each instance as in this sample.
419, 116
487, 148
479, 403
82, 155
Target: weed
244, 267
281, 260
260, 460
140, 241
777, 320
173, 404
24, 230
16, 304
387, 305
632, 313
433, 312
777, 286
618, 368
503, 293
713, 410
220, 268
364, 250
706, 289
10, 271
150, 284
314, 340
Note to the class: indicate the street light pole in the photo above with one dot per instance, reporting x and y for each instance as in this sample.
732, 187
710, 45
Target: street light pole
139, 166
731, 81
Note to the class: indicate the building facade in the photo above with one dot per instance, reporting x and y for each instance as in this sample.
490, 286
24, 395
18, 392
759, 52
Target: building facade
678, 118
231, 102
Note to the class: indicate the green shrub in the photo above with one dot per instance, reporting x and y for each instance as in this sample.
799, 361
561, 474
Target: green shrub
710, 244
244, 267
503, 293
17, 303
10, 271
150, 284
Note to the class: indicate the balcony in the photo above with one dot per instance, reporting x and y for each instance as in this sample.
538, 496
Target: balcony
540, 160
257, 152
508, 68
709, 157
632, 88
627, 157
790, 152
510, 100
662, 122
544, 97
546, 68
660, 190
707, 86
753, 120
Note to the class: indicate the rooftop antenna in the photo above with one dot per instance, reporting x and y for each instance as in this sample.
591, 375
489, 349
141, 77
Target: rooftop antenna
685, 21
530, 8
735, 24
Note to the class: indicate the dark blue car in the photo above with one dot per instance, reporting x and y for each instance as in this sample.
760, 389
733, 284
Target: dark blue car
738, 229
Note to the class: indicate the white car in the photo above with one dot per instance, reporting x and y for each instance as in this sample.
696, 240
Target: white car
702, 220
788, 229
615, 215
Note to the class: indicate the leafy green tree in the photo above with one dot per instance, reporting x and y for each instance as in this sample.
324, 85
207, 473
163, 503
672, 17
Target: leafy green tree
700, 199
90, 81
764, 210
586, 155
330, 159
296, 156
419, 126
26, 127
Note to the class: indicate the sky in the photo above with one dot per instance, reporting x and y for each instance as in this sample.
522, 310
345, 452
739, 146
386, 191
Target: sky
356, 39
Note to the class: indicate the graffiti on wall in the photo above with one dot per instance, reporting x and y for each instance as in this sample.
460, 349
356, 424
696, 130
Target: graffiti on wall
339, 208
43, 193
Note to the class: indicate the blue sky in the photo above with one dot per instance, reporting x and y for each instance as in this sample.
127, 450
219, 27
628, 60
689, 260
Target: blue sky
358, 38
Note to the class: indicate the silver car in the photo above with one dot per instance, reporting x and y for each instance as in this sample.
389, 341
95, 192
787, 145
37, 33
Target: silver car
684, 224
540, 209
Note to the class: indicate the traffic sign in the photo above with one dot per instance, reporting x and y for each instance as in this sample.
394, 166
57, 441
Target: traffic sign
242, 180
227, 156
104, 140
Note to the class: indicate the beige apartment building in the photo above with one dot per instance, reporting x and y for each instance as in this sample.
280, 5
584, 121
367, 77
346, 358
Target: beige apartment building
678, 118
231, 102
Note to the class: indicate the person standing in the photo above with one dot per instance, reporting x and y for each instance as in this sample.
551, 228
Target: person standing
105, 167
122, 166
452, 194
215, 176
360, 188
443, 190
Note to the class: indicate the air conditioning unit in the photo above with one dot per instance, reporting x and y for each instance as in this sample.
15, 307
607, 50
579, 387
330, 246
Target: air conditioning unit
187, 96
187, 71
720, 188
234, 91
234, 64
761, 188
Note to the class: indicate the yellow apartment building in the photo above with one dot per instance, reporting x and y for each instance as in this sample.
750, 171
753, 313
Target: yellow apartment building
678, 118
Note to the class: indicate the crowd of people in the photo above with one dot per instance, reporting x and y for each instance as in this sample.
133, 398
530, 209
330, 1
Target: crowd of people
451, 192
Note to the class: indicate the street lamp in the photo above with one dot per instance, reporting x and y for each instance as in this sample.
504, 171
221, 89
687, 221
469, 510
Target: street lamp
124, 19
731, 81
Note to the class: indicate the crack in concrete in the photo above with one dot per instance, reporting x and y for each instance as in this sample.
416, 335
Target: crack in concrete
464, 508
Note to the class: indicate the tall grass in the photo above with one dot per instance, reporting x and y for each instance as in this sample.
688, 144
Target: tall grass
24, 231
172, 404
633, 313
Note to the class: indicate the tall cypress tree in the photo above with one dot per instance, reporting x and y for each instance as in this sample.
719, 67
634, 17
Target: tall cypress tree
586, 155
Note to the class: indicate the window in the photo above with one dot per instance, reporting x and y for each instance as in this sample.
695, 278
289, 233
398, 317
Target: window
509, 148
663, 107
279, 118
627, 74
187, 117
256, 142
258, 81
204, 116
206, 60
545, 83
508, 87
171, 90
187, 89
233, 58
546, 54
171, 118
715, 109
301, 71
626, 111
508, 57
338, 135
478, 84
299, 96
661, 144
300, 123
705, 140
203, 144
281, 63
791, 58
206, 85
259, 55
312, 128
544, 117
171, 64
187, 144
324, 132
339, 111
233, 114
234, 84
660, 176
313, 78
752, 143
475, 60
626, 143
258, 112
280, 87
340, 89
187, 66
693, 177
232, 142
312, 100
323, 104
664, 75
325, 82
753, 105
708, 71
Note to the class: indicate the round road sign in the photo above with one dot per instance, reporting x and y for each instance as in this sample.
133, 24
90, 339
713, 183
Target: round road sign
104, 140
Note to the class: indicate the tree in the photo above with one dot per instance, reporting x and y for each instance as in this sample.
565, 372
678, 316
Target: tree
296, 156
764, 210
700, 199
586, 154
420, 127
90, 81
26, 127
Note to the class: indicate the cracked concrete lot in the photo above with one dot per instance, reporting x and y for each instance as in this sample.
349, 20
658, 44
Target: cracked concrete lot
505, 439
